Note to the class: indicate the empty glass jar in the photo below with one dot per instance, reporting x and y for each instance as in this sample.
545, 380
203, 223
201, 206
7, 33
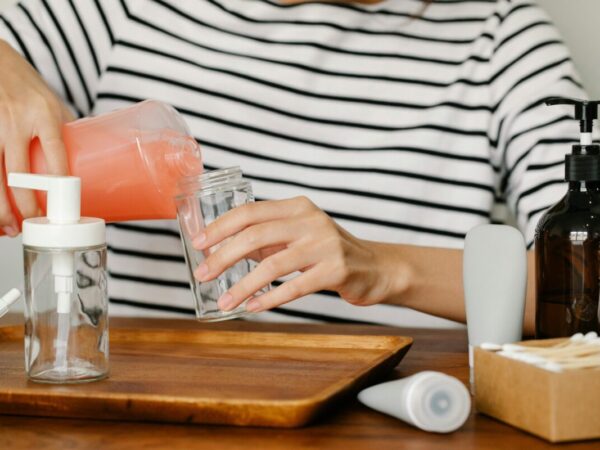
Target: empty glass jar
202, 200
66, 314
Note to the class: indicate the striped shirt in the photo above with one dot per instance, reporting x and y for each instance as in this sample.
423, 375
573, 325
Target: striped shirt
405, 128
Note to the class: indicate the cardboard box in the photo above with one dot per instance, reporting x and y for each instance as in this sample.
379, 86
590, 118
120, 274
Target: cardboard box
555, 406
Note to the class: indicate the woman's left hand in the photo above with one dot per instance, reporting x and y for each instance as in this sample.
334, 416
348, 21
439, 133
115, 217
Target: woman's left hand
291, 235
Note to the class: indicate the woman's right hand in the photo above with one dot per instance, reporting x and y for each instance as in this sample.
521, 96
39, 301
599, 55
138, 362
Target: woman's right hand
28, 109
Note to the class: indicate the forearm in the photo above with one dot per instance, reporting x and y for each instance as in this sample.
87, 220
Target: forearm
329, 258
430, 280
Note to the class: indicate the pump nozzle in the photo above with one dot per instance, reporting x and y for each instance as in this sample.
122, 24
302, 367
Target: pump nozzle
586, 111
584, 163
63, 204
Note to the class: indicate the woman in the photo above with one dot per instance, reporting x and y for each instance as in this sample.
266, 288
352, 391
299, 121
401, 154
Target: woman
404, 122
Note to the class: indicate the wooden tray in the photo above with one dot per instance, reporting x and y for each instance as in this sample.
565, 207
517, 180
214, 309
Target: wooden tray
206, 376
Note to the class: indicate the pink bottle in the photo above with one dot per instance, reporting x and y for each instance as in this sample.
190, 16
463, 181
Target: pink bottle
129, 161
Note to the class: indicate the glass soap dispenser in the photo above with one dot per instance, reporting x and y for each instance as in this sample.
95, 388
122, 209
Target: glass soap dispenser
66, 314
567, 240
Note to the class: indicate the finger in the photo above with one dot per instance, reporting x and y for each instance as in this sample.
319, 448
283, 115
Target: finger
263, 253
239, 218
245, 243
307, 283
8, 221
276, 266
50, 136
17, 160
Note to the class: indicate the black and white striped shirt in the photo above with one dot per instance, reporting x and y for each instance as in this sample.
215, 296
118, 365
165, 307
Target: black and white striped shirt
404, 129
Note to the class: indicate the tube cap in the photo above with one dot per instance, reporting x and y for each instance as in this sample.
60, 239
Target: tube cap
438, 402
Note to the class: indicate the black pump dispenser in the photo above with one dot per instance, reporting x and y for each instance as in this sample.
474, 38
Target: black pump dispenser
585, 111
567, 240
583, 164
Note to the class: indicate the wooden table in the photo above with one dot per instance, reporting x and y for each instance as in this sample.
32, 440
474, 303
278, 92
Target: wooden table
351, 426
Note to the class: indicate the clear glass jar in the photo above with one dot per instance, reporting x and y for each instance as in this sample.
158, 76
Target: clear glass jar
202, 200
66, 314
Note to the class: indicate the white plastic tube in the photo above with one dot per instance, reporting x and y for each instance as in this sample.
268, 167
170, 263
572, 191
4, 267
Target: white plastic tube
429, 400
62, 270
495, 283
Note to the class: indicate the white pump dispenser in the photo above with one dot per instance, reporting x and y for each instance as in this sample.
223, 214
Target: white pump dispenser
63, 227
63, 230
63, 204
63, 208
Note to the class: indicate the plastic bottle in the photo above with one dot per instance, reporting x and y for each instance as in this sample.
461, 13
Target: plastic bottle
567, 241
129, 161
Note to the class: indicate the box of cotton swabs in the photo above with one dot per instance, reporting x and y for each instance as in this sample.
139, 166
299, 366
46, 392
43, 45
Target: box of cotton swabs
550, 388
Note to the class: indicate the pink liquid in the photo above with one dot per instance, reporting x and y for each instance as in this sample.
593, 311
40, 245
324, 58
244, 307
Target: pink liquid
125, 175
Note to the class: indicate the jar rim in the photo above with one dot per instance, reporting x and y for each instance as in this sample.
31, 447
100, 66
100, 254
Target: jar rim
209, 179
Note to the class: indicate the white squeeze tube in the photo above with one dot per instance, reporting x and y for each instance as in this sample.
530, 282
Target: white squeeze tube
431, 401
495, 285
63, 207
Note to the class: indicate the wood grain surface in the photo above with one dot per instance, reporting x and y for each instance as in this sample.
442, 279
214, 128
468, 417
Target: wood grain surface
348, 426
206, 376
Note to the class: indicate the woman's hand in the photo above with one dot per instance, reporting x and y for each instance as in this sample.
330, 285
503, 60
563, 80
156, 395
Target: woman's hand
289, 236
28, 109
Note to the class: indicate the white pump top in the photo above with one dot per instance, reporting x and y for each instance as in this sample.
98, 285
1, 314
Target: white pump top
63, 227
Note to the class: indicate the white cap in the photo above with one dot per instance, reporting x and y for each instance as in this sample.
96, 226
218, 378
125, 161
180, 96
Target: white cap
63, 227
438, 402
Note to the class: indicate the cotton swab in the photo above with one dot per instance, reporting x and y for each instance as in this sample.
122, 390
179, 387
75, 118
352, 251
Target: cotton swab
8, 300
578, 352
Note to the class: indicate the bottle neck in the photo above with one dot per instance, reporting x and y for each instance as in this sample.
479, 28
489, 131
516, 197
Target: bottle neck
584, 186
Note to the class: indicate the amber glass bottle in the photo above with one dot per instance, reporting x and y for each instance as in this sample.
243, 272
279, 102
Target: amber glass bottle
567, 242
567, 248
